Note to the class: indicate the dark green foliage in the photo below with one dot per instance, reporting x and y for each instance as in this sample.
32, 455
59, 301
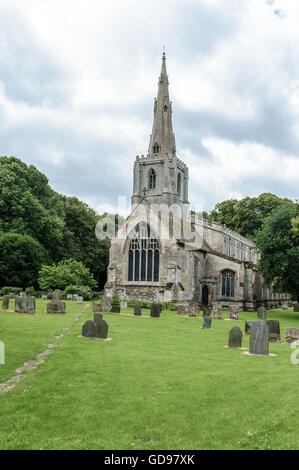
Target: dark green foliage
82, 291
65, 273
21, 257
7, 290
279, 248
247, 215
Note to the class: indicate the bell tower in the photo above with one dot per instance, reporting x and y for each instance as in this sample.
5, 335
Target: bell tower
160, 177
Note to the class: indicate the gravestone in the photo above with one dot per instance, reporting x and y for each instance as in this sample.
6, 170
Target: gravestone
22, 294
217, 312
96, 328
137, 310
207, 321
235, 337
69, 297
49, 295
25, 304
155, 310
274, 331
56, 295
115, 309
80, 300
12, 295
106, 304
292, 334
89, 329
261, 313
56, 307
193, 309
206, 311
285, 306
248, 325
182, 308
259, 339
5, 302
75, 297
96, 307
234, 312
44, 297
296, 307
124, 305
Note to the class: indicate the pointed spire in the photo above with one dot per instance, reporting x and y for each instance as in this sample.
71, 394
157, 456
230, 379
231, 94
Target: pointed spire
162, 140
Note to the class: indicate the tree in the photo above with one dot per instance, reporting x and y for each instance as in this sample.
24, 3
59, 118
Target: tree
21, 257
65, 273
247, 215
279, 263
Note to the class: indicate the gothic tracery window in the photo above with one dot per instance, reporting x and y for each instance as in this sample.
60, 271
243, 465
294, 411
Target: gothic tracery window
143, 256
151, 179
227, 283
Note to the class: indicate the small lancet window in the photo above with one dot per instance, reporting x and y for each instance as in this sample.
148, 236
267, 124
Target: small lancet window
179, 185
151, 179
165, 108
156, 148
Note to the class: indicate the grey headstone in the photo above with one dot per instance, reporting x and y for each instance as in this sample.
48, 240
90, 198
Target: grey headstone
248, 325
106, 304
137, 310
89, 329
296, 307
285, 306
207, 321
124, 305
193, 309
292, 334
5, 302
101, 327
44, 297
261, 313
56, 307
235, 338
155, 310
274, 331
217, 312
22, 294
75, 297
69, 297
97, 317
56, 295
207, 311
30, 305
182, 308
259, 339
18, 300
96, 307
80, 300
234, 312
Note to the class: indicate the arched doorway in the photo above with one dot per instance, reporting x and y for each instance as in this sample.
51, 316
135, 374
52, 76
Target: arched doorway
205, 296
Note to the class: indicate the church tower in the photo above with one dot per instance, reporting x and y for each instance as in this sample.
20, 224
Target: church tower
160, 177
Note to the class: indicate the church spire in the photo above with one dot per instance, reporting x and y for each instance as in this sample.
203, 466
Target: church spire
162, 140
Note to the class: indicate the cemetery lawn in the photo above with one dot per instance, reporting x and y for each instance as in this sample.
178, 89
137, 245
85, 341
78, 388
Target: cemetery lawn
160, 383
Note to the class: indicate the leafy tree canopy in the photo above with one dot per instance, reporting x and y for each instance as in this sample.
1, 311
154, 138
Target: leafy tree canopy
65, 273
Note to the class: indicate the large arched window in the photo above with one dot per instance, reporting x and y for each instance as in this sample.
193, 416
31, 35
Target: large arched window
227, 283
151, 179
143, 256
179, 184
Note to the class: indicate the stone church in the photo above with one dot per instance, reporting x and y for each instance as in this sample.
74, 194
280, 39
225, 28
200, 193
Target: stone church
162, 253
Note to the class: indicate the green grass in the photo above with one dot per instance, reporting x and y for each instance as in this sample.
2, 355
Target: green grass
161, 383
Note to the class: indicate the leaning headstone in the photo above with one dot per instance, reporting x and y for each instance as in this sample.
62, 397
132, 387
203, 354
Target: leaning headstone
56, 307
106, 304
89, 329
5, 302
155, 310
123, 304
292, 334
217, 312
235, 337
193, 309
248, 325
137, 310
207, 321
115, 309
259, 339
96, 307
274, 331
234, 312
80, 300
261, 313
296, 307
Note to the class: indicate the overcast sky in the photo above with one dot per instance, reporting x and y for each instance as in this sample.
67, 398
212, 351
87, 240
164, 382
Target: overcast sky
78, 80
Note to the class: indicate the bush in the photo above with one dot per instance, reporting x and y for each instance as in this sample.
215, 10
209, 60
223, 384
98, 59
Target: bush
30, 292
7, 290
66, 273
115, 302
82, 291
